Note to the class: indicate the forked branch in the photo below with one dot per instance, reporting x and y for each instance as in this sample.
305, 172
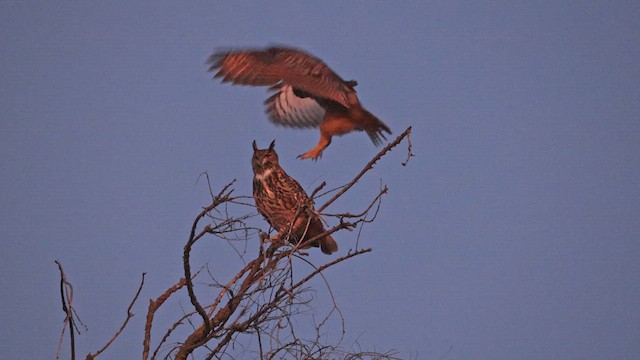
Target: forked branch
66, 295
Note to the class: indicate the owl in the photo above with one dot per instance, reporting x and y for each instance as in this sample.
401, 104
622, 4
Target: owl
307, 92
284, 203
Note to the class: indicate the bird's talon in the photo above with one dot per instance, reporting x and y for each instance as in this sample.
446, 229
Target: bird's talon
309, 155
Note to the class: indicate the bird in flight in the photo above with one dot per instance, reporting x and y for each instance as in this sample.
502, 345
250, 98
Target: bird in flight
284, 204
307, 92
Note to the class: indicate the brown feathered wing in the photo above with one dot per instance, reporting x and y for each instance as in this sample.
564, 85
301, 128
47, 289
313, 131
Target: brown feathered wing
277, 64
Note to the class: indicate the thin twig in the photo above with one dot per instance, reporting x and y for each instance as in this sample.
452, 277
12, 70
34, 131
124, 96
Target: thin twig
409, 148
153, 306
366, 168
124, 324
329, 264
66, 295
378, 197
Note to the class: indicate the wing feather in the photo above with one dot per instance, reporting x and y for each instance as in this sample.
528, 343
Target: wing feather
264, 67
287, 109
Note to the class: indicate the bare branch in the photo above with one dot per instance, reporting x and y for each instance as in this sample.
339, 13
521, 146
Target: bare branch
366, 168
124, 324
221, 197
66, 295
153, 306
378, 197
409, 148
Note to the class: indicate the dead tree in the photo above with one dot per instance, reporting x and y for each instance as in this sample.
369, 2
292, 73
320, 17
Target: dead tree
253, 314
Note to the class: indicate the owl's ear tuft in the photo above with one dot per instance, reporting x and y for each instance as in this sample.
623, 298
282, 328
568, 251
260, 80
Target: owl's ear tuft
255, 147
273, 144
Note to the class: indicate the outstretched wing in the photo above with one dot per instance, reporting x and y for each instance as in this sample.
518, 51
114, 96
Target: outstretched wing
288, 109
278, 64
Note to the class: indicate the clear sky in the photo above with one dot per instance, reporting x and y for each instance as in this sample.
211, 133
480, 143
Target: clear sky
513, 234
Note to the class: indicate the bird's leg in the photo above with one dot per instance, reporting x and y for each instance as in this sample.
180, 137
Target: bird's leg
316, 152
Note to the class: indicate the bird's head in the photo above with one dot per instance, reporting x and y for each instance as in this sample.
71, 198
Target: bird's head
264, 159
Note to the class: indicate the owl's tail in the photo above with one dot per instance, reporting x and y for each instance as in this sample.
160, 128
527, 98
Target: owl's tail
328, 245
314, 228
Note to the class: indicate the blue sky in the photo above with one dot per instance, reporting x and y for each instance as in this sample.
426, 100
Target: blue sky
513, 233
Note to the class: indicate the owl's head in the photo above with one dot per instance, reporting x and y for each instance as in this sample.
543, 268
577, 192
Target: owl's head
264, 159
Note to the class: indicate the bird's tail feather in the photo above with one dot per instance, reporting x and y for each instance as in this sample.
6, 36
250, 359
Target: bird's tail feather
328, 245
374, 127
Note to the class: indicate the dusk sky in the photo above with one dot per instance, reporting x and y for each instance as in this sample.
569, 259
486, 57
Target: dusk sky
514, 232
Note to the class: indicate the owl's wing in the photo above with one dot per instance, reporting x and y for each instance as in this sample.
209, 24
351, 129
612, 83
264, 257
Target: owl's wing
288, 109
279, 64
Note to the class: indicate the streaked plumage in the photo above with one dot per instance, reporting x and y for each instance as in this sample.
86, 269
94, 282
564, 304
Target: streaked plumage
284, 203
307, 92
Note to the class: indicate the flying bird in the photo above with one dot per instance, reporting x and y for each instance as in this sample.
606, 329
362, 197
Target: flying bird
283, 202
307, 92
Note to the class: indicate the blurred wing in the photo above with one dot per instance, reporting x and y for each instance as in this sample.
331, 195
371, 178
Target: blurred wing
290, 66
248, 67
287, 109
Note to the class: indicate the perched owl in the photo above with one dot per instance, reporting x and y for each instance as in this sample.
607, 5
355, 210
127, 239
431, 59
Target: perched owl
308, 92
283, 202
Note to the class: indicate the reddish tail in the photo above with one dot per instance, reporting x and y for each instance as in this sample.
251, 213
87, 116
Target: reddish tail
373, 126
